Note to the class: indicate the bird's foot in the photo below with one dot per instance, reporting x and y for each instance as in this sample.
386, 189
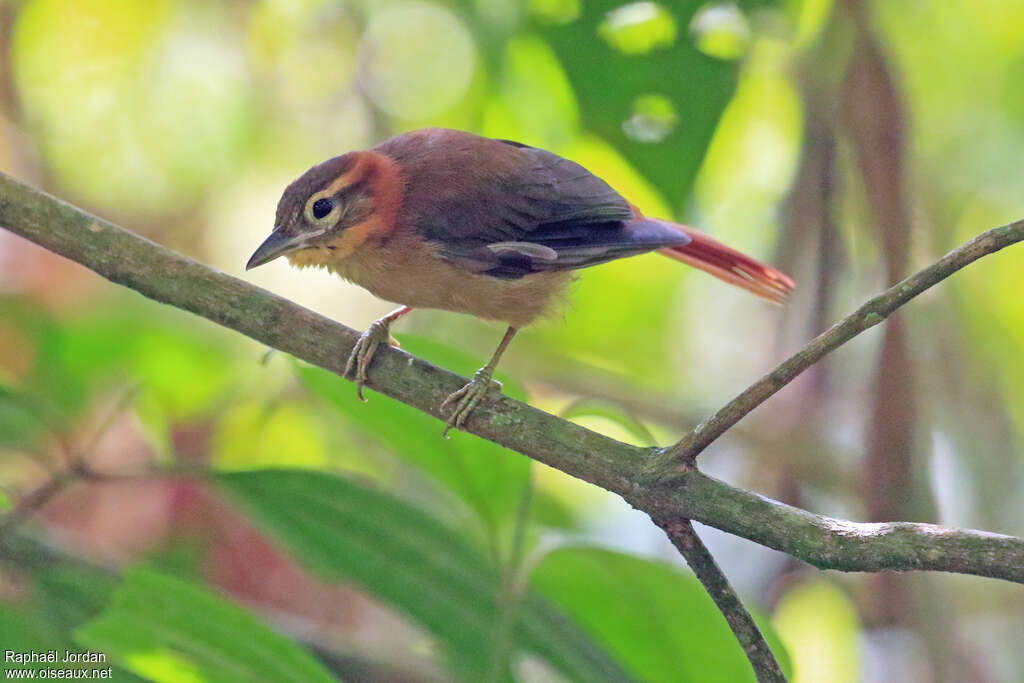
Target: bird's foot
466, 399
362, 353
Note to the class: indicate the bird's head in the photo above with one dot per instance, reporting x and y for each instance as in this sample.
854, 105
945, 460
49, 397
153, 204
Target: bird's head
332, 209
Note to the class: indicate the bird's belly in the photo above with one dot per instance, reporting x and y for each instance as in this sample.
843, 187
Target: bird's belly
432, 282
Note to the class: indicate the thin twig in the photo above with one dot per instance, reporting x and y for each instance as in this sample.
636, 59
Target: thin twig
689, 545
75, 469
36, 499
634, 473
870, 314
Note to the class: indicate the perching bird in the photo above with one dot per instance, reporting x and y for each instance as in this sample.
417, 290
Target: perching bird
451, 220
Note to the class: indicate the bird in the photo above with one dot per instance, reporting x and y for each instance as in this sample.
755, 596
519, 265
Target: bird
447, 219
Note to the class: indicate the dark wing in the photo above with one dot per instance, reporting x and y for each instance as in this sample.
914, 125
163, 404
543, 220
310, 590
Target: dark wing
565, 246
507, 209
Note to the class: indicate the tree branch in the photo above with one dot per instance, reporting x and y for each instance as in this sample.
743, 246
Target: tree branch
632, 472
830, 543
689, 545
870, 314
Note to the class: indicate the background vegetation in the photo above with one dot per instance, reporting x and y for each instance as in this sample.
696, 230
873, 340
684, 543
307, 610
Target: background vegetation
847, 142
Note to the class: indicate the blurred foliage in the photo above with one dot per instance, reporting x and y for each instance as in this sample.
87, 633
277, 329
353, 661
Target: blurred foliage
168, 630
152, 127
64, 598
457, 559
413, 562
821, 626
661, 623
487, 477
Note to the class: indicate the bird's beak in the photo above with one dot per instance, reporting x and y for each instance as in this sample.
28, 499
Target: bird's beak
278, 244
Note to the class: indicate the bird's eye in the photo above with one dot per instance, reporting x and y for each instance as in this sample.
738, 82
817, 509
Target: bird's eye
322, 207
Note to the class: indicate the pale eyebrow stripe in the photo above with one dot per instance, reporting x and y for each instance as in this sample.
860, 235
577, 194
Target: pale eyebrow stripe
348, 177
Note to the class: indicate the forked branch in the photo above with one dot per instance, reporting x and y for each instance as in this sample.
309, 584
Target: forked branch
662, 482
630, 471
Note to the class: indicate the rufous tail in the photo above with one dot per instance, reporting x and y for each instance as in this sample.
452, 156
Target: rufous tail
727, 264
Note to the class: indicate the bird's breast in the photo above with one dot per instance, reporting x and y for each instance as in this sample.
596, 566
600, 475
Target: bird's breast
406, 270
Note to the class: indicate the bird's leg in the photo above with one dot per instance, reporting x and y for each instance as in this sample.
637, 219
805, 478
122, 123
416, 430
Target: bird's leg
362, 352
466, 398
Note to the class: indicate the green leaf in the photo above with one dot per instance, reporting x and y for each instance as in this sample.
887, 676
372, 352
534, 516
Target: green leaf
70, 596
184, 368
607, 410
658, 621
24, 419
645, 50
486, 476
63, 597
167, 629
21, 631
415, 563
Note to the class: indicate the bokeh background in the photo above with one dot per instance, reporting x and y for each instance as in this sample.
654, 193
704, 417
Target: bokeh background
847, 142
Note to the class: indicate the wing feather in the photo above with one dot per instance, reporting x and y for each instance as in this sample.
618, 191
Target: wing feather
508, 209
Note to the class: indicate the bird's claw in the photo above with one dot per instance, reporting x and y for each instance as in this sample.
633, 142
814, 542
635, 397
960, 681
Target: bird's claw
466, 399
362, 353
